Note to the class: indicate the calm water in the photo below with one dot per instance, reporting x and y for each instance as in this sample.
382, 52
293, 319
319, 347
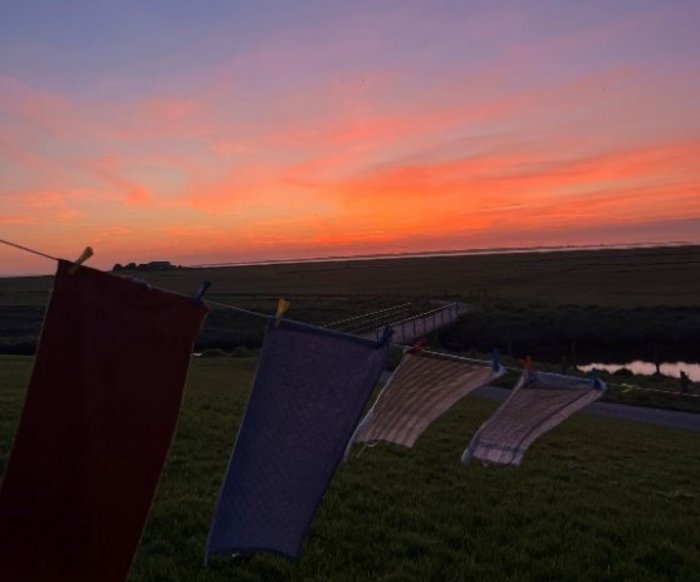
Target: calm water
641, 368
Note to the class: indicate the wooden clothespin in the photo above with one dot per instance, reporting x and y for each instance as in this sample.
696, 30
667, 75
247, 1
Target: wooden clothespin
87, 253
282, 306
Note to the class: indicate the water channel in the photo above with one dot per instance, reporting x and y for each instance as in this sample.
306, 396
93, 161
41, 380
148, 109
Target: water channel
642, 368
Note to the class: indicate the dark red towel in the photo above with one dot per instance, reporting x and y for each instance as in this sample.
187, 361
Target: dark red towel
97, 422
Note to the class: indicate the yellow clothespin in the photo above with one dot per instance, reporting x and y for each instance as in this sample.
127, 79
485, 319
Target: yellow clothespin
282, 306
87, 253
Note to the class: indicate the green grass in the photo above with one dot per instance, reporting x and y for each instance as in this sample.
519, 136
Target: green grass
595, 499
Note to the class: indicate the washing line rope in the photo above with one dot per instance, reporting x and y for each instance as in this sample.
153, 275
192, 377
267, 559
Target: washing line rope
27, 249
266, 316
214, 303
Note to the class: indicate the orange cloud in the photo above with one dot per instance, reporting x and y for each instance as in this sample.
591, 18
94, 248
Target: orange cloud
262, 158
110, 172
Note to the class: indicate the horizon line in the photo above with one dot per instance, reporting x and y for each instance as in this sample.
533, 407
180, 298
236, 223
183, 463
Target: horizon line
416, 255
446, 253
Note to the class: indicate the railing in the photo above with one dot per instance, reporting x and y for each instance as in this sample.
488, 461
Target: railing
409, 329
369, 321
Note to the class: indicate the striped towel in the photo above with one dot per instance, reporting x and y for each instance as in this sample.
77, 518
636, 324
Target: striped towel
537, 404
423, 387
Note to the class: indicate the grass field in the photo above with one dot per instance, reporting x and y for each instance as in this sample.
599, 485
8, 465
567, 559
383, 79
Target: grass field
595, 499
619, 278
642, 302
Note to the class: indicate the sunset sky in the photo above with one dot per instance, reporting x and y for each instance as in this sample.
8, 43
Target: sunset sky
216, 131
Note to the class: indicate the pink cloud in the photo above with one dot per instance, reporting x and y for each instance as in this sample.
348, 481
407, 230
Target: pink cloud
108, 170
281, 146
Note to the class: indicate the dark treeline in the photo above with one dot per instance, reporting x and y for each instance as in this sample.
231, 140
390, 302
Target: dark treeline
547, 333
152, 266
224, 329
581, 333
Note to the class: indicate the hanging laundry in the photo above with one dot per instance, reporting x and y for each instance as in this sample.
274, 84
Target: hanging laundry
98, 418
537, 404
423, 388
310, 389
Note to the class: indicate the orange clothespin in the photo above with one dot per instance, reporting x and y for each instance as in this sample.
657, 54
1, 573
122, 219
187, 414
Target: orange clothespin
282, 306
86, 254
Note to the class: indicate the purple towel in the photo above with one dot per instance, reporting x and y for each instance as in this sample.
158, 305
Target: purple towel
310, 390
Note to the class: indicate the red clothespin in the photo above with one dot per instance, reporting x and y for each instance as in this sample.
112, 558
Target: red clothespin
87, 253
528, 369
418, 346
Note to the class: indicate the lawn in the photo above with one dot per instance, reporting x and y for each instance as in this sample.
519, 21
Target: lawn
595, 499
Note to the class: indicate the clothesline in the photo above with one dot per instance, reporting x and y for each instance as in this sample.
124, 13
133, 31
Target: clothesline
443, 354
626, 387
27, 249
268, 317
236, 308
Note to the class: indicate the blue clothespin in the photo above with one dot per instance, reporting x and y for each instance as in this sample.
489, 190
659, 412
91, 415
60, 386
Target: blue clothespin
140, 282
495, 357
202, 290
386, 334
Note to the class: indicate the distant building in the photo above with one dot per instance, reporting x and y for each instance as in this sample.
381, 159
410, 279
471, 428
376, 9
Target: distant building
152, 266
157, 266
